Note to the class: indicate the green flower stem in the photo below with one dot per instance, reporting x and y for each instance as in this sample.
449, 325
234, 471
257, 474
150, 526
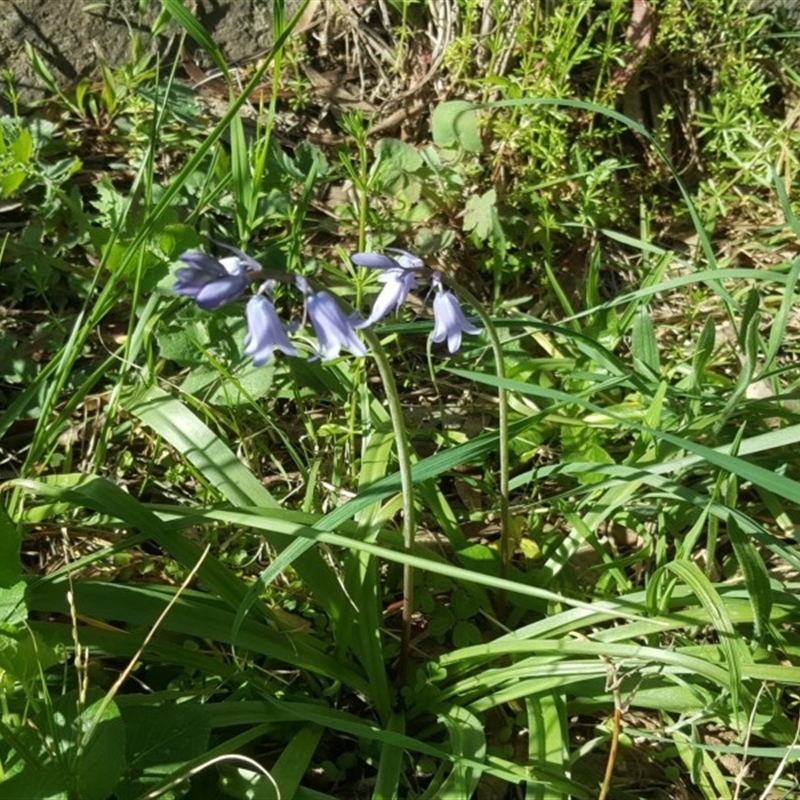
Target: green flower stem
407, 491
502, 401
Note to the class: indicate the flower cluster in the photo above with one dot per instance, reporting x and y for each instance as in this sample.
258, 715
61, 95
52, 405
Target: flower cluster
213, 283
398, 277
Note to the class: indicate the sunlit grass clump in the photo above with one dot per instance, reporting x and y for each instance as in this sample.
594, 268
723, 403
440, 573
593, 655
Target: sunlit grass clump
441, 446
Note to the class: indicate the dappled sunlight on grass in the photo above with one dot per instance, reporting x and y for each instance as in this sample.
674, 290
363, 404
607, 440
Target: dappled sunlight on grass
554, 557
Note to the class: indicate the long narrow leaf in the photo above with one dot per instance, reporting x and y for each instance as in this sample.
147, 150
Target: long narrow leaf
197, 31
774, 482
196, 442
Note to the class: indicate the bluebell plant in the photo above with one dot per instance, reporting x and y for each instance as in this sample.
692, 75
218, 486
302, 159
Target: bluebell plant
212, 282
334, 329
449, 320
265, 330
398, 277
215, 282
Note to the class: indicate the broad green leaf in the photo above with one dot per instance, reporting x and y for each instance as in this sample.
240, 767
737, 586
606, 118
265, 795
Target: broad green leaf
467, 737
644, 345
704, 348
455, 122
101, 761
749, 320
480, 215
195, 441
184, 345
714, 672
175, 238
22, 147
400, 156
41, 68
69, 766
548, 740
706, 774
49, 782
24, 655
295, 761
387, 783
466, 633
197, 615
241, 179
13, 608
11, 180
159, 737
756, 577
10, 541
248, 383
779, 323
736, 652
395, 163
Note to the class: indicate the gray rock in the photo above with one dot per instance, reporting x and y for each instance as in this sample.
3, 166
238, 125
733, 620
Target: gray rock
73, 36
787, 10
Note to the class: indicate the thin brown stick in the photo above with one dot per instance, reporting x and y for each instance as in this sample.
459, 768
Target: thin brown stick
112, 692
612, 751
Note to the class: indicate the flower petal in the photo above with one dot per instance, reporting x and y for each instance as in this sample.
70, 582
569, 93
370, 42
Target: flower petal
265, 331
334, 330
374, 261
407, 260
247, 261
220, 291
209, 281
195, 260
449, 321
397, 284
189, 282
234, 265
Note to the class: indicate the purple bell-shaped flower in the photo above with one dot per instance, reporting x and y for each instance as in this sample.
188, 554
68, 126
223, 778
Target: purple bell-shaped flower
265, 331
398, 279
449, 321
333, 328
211, 282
